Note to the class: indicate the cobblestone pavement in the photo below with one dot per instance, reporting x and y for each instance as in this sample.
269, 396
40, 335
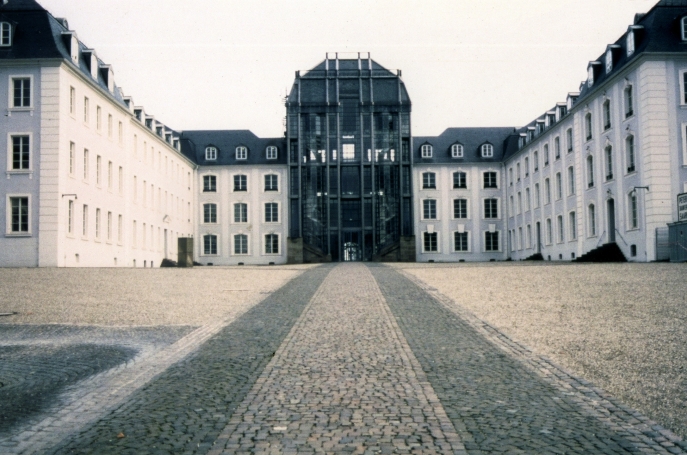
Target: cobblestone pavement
342, 382
184, 409
501, 403
351, 358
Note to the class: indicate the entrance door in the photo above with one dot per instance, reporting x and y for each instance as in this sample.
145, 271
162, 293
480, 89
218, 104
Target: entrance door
166, 252
611, 221
537, 246
352, 250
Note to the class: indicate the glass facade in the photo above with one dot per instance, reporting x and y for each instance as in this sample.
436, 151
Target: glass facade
348, 133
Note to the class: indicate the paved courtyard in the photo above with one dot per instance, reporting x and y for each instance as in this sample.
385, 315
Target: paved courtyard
347, 358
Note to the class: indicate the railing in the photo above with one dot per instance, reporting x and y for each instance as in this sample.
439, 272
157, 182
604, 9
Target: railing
621, 237
601, 238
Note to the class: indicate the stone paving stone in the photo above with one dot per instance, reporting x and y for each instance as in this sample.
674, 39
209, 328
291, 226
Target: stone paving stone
184, 409
342, 382
496, 403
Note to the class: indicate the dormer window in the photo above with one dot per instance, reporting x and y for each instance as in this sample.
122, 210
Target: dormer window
5, 34
271, 152
426, 151
590, 76
630, 43
683, 28
609, 61
457, 151
487, 151
211, 153
241, 153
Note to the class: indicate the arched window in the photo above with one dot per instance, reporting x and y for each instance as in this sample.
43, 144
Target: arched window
271, 152
426, 151
630, 152
591, 218
5, 34
210, 153
588, 125
457, 151
608, 153
590, 171
607, 114
487, 151
241, 153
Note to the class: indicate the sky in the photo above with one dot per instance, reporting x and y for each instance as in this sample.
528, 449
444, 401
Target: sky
228, 64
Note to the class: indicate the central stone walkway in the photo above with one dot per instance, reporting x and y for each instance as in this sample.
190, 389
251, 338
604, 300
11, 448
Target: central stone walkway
344, 381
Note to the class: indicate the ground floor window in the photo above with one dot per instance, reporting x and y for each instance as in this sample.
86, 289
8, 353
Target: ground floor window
240, 244
271, 244
491, 241
430, 242
209, 244
19, 216
460, 241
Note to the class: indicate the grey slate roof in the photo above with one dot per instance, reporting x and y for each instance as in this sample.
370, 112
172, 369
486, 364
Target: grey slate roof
502, 138
193, 144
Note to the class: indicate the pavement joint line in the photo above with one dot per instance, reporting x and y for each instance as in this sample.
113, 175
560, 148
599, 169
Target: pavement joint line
593, 400
94, 397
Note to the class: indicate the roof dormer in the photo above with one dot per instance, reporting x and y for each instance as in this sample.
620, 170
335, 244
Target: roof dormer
6, 34
592, 72
139, 113
72, 44
108, 76
487, 150
550, 118
457, 150
572, 99
632, 38
612, 51
91, 62
683, 28
561, 110
129, 101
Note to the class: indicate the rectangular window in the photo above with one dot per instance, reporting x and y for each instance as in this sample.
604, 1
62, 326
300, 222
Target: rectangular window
84, 221
109, 175
429, 209
588, 125
569, 139
490, 180
240, 213
460, 208
537, 196
120, 228
271, 244
633, 209
109, 126
557, 147
549, 232
209, 213
630, 150
240, 244
70, 218
5, 34
535, 160
86, 109
519, 202
559, 186
547, 191
21, 90
491, 241
20, 153
561, 229
72, 152
19, 215
85, 164
629, 107
210, 244
491, 208
430, 244
592, 220
608, 152
460, 180
240, 183
571, 181
121, 180
98, 170
98, 118
72, 100
121, 133
97, 224
460, 241
572, 219
109, 226
209, 183
607, 114
271, 182
429, 180
271, 212
527, 199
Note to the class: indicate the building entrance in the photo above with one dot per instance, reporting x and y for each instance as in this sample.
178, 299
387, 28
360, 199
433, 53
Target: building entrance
611, 221
352, 250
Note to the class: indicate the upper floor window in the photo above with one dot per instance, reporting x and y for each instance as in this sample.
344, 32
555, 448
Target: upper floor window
490, 180
241, 153
607, 114
18, 215
211, 153
590, 76
569, 139
630, 151
271, 182
460, 208
487, 151
609, 61
546, 155
557, 147
535, 160
429, 209
460, 180
5, 34
20, 153
608, 153
590, 171
240, 182
209, 183
571, 181
271, 212
629, 108
588, 125
683, 28
429, 180
456, 151
21, 92
271, 152
426, 151
209, 213
491, 208
630, 43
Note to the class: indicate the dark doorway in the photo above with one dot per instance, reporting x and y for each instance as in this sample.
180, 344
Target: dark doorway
352, 250
537, 246
611, 221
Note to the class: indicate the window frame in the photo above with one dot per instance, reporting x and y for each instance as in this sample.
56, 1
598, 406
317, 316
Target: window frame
608, 163
457, 185
9, 215
489, 210
457, 151
632, 211
427, 238
588, 124
571, 181
234, 244
461, 210
487, 151
591, 220
488, 245
426, 151
569, 139
683, 28
6, 34
429, 207
495, 184
242, 187
628, 100
209, 178
271, 152
241, 153
467, 242
210, 153
211, 237
265, 244
10, 155
210, 213
429, 180
589, 162
241, 215
606, 109
572, 225
630, 156
273, 187
274, 215
11, 92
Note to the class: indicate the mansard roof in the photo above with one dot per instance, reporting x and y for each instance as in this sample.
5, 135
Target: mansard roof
194, 143
502, 138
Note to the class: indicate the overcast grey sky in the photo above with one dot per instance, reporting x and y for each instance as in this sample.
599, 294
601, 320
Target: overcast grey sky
219, 64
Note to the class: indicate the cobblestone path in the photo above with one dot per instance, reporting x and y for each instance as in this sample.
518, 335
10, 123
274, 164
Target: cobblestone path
342, 382
360, 359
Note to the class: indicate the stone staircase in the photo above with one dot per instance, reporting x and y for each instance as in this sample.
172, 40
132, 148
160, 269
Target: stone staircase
609, 252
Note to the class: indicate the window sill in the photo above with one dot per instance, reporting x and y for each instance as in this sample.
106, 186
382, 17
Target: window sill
18, 234
28, 172
11, 110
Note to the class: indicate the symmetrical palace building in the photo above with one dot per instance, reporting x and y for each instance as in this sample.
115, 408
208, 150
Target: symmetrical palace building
92, 179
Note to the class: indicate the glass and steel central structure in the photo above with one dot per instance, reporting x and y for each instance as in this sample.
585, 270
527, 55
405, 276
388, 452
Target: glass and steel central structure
349, 140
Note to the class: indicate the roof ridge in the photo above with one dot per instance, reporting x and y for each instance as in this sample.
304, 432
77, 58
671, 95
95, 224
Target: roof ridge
21, 5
